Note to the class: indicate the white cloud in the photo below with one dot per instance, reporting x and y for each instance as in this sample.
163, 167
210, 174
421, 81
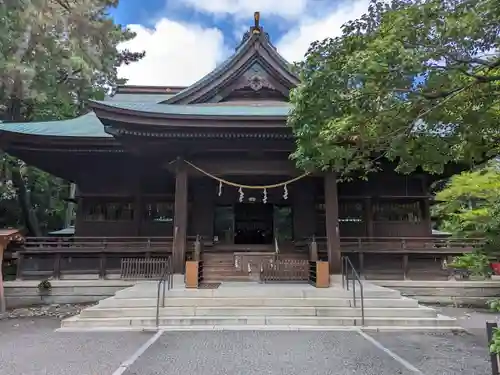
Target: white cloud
294, 44
176, 53
180, 53
289, 9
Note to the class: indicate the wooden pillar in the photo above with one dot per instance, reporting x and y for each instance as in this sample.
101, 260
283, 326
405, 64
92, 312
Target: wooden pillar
332, 223
426, 207
180, 218
3, 306
138, 201
203, 208
303, 209
369, 217
138, 212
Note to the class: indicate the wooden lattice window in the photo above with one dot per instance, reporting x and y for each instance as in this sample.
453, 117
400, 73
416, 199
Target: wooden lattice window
409, 211
110, 211
161, 212
351, 212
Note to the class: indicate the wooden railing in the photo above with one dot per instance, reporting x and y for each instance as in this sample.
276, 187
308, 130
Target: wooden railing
277, 269
96, 244
285, 270
94, 257
143, 268
398, 258
404, 244
251, 261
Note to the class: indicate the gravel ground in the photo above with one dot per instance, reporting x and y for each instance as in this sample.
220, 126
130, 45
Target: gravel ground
55, 310
29, 346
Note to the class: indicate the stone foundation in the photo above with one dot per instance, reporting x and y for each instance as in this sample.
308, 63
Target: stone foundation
25, 293
467, 293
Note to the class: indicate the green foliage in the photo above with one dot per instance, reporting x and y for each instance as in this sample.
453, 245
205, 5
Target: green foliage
55, 55
495, 341
58, 53
46, 192
44, 286
494, 306
477, 263
469, 206
414, 81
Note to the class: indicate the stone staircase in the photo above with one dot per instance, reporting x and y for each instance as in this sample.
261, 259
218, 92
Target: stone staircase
253, 306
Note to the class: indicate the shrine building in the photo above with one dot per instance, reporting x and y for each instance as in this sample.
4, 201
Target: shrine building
211, 160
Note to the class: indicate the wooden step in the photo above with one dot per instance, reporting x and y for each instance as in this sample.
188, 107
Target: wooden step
219, 266
223, 271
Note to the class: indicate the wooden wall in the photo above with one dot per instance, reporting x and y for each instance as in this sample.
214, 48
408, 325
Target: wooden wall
366, 208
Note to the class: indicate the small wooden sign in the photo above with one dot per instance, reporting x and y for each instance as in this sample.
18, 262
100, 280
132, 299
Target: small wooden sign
322, 275
192, 274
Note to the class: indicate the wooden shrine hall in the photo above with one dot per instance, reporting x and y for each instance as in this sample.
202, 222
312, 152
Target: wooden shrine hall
157, 167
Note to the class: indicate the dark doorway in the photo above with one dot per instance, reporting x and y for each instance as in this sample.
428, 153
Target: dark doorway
253, 223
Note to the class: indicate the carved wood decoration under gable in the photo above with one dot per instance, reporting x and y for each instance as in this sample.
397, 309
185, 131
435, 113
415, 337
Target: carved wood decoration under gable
254, 78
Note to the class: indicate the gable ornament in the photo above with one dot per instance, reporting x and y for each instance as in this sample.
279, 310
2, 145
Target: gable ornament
257, 82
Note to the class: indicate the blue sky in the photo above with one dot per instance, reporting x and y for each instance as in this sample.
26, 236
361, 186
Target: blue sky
186, 39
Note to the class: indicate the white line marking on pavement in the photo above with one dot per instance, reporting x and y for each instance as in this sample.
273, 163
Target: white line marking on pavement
125, 365
389, 352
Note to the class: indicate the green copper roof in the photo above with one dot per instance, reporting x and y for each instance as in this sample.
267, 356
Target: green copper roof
84, 126
139, 98
254, 109
89, 125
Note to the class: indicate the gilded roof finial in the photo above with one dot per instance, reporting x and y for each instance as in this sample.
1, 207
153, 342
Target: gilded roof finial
256, 28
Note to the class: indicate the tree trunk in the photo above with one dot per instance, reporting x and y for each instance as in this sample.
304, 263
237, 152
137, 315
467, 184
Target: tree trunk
15, 114
24, 199
68, 220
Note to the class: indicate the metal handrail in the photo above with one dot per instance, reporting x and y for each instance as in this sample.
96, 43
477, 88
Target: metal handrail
346, 264
166, 279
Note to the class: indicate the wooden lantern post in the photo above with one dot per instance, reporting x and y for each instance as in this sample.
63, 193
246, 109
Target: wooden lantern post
6, 236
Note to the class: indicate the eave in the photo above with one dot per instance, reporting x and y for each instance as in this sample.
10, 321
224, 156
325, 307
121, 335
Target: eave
10, 141
199, 133
111, 115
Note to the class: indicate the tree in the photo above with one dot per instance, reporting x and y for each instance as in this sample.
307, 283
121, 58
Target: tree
57, 52
469, 205
54, 56
414, 81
